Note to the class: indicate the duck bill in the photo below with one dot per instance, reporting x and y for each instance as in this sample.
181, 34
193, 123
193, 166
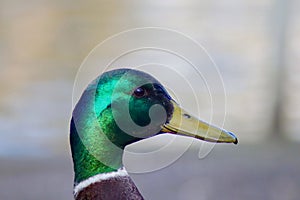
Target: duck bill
182, 123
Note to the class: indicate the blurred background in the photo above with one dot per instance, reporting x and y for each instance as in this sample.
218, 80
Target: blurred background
255, 44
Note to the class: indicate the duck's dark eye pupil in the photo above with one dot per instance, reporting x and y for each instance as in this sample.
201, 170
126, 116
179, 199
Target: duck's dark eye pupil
139, 92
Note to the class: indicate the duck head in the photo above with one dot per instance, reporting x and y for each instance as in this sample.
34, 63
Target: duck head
124, 106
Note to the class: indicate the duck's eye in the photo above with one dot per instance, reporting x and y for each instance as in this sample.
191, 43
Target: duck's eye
139, 92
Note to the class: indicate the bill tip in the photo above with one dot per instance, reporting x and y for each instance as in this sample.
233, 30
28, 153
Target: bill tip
236, 140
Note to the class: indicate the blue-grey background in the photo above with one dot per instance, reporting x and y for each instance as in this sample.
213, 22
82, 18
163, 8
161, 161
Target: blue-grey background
254, 43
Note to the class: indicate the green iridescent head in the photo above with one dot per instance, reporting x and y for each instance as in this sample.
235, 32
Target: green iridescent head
121, 107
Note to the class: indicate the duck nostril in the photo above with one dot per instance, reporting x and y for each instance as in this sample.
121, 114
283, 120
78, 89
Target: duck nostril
187, 115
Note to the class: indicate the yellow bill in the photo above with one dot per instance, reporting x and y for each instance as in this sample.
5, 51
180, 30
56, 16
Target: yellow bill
182, 123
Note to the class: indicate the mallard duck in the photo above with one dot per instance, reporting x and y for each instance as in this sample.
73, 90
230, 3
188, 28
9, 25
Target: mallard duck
118, 108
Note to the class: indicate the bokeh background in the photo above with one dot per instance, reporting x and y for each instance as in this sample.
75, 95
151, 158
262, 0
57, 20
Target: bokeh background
255, 44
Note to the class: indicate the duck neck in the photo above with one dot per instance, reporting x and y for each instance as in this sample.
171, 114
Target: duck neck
86, 162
